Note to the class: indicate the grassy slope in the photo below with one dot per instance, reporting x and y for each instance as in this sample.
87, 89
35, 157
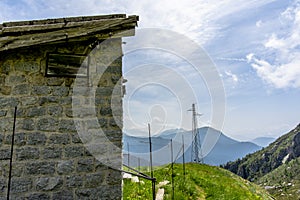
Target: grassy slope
200, 182
285, 179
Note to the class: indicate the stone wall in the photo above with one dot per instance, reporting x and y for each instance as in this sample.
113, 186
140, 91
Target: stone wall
50, 161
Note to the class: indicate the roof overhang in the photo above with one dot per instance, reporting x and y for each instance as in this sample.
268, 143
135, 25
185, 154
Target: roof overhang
14, 35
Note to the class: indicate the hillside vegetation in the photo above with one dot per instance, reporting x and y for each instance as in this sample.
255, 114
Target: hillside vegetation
283, 182
276, 167
200, 182
260, 163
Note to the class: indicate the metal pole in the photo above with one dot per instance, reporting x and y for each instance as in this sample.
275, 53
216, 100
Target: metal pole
128, 159
172, 170
151, 167
11, 152
183, 160
139, 164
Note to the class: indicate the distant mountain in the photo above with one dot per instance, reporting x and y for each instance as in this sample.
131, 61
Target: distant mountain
256, 165
263, 141
224, 149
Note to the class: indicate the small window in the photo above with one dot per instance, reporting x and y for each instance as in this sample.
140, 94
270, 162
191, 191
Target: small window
67, 65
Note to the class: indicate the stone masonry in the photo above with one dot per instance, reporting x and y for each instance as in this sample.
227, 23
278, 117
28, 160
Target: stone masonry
50, 159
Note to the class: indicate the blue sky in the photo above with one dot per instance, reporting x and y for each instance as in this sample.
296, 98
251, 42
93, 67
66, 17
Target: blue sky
254, 44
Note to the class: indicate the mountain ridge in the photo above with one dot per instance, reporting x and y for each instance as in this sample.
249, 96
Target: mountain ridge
224, 150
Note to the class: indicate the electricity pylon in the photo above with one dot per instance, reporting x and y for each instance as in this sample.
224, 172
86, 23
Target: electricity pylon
196, 142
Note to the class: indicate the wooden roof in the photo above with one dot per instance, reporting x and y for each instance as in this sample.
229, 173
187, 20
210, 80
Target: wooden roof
21, 34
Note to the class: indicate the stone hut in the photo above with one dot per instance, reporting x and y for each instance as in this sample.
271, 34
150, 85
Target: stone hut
61, 84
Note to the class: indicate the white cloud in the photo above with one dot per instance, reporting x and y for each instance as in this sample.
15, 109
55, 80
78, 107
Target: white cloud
282, 76
232, 76
284, 70
258, 24
197, 19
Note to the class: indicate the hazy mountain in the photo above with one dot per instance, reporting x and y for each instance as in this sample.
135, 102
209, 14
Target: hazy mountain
263, 141
224, 149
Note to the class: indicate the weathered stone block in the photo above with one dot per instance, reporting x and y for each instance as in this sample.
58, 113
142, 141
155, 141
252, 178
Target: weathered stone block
37, 79
106, 111
55, 111
113, 123
40, 168
49, 183
28, 66
27, 153
74, 151
16, 79
8, 102
55, 81
17, 169
5, 68
52, 152
20, 139
67, 125
101, 100
115, 78
113, 177
104, 91
29, 101
28, 124
5, 154
41, 90
65, 167
20, 112
60, 91
48, 100
3, 113
3, 185
6, 124
63, 195
85, 165
69, 81
94, 180
62, 138
21, 89
75, 138
69, 112
39, 196
5, 90
36, 138
19, 185
90, 193
36, 111
102, 122
110, 192
74, 181
47, 124
65, 101
83, 112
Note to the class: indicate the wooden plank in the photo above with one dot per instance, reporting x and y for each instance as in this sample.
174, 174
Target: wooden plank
62, 20
12, 42
66, 65
27, 28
